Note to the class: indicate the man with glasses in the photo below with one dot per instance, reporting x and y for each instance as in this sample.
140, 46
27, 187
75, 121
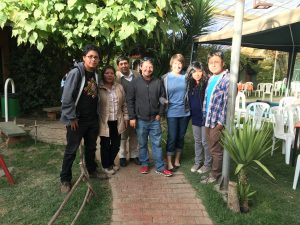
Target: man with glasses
79, 112
144, 109
124, 77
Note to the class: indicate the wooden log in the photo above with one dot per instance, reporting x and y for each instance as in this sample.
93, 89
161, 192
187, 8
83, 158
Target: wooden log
233, 199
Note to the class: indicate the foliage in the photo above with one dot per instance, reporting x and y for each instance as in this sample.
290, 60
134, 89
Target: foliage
74, 23
196, 18
247, 146
266, 67
37, 76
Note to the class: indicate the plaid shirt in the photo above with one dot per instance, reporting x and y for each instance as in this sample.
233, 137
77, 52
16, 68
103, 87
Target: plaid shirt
218, 103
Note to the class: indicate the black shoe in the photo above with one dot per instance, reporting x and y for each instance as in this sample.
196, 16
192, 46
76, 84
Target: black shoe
123, 162
136, 160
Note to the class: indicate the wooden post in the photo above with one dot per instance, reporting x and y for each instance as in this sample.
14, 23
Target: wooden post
233, 200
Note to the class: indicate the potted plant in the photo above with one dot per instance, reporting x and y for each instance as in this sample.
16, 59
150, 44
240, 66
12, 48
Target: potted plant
247, 146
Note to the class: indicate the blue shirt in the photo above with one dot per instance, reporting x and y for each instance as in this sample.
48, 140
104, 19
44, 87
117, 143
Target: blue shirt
176, 91
210, 87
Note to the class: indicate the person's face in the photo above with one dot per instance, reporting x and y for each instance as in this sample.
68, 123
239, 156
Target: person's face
91, 60
197, 75
147, 69
109, 76
215, 65
123, 67
176, 67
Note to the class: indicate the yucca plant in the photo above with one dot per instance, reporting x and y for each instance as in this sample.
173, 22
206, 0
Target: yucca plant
247, 146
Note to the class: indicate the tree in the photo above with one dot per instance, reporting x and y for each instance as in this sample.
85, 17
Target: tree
73, 23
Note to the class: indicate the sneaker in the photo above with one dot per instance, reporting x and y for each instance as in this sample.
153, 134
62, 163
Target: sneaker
144, 169
166, 173
65, 187
195, 168
123, 162
209, 180
109, 171
136, 160
204, 169
98, 175
116, 168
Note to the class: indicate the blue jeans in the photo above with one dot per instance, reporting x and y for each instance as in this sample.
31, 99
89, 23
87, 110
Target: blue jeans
144, 130
176, 130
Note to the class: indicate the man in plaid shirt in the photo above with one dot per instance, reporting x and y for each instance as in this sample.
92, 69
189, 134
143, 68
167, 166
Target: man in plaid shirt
215, 106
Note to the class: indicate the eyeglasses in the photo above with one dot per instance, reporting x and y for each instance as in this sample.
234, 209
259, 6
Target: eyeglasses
90, 57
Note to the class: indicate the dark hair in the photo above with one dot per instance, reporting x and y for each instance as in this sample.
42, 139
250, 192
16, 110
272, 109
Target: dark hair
122, 58
106, 68
216, 53
147, 59
90, 47
191, 83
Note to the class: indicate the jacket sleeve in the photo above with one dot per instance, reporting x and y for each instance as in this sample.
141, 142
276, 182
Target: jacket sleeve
130, 97
124, 106
162, 95
68, 108
222, 118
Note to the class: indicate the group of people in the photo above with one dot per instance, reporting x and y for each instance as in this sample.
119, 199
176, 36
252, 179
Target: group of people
125, 107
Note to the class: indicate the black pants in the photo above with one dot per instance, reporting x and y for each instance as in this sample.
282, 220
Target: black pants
89, 132
110, 146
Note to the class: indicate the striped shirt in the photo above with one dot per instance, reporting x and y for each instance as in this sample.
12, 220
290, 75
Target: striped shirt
113, 104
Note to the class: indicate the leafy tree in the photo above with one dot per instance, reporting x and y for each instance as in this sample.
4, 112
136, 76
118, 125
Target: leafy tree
73, 23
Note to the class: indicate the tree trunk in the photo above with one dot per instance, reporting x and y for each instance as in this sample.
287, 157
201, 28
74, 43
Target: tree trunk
233, 200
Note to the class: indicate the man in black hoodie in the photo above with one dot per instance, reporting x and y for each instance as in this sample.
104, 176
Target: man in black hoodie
80, 114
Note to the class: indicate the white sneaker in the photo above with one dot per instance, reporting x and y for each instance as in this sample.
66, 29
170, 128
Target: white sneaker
204, 169
195, 168
116, 168
109, 171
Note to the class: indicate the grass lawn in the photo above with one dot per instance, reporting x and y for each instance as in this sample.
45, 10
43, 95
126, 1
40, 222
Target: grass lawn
36, 196
275, 203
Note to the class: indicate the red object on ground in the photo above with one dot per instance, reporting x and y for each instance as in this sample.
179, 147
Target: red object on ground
9, 177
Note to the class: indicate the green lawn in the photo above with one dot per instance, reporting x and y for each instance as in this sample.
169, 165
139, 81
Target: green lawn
36, 196
275, 203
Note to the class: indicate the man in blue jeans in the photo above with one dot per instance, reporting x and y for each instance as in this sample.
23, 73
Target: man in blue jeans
144, 109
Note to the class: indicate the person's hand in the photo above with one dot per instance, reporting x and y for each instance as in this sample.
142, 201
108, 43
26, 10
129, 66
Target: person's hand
74, 124
220, 126
126, 124
132, 123
157, 117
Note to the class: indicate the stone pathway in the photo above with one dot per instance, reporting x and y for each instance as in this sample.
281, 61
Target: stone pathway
144, 199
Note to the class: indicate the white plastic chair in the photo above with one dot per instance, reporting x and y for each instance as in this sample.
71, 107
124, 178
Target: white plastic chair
259, 89
297, 171
268, 90
287, 101
240, 107
277, 88
295, 88
280, 131
258, 112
